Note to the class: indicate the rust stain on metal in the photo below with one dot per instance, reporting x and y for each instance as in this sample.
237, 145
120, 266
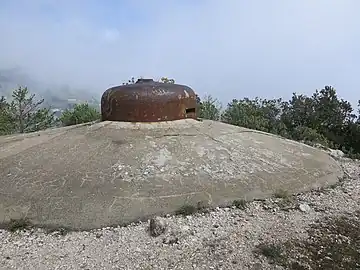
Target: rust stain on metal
148, 101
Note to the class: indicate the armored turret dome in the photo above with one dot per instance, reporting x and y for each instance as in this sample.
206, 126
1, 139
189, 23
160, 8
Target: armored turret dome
148, 101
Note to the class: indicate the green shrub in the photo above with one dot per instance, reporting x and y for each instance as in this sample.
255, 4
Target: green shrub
81, 113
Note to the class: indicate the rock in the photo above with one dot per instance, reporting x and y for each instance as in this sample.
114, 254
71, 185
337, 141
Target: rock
336, 153
176, 234
185, 229
157, 226
320, 146
171, 239
304, 207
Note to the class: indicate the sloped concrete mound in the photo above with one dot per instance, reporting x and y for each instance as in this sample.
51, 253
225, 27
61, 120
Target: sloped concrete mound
107, 173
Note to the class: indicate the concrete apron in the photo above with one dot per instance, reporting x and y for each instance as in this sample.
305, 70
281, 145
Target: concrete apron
107, 173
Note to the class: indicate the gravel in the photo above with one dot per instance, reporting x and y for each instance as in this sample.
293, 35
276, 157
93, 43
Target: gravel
227, 238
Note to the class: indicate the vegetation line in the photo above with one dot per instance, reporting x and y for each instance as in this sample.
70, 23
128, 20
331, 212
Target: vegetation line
320, 119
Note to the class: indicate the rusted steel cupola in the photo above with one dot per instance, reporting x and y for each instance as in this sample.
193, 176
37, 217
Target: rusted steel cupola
148, 101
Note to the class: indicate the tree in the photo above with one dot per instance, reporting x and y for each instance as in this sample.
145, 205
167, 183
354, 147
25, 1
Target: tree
358, 119
3, 103
131, 81
260, 114
6, 120
81, 113
167, 80
320, 118
162, 80
323, 112
209, 108
23, 113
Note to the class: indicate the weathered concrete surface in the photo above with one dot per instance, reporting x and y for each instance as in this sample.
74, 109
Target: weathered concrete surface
109, 173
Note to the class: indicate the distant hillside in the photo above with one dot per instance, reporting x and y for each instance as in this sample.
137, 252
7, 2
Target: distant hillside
56, 96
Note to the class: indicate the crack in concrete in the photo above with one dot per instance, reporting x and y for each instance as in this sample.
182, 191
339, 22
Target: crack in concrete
160, 197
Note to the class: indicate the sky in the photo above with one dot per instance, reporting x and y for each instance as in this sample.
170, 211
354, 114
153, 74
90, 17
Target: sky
227, 49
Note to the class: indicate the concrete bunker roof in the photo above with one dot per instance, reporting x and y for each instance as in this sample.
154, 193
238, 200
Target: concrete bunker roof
91, 176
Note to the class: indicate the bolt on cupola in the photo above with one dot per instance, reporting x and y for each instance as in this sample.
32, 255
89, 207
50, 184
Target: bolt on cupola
148, 101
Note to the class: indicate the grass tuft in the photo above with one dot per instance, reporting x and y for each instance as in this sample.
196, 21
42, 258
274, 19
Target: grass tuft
19, 224
186, 210
240, 204
281, 194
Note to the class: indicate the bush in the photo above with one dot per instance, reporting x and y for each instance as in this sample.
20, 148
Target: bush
81, 113
309, 135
